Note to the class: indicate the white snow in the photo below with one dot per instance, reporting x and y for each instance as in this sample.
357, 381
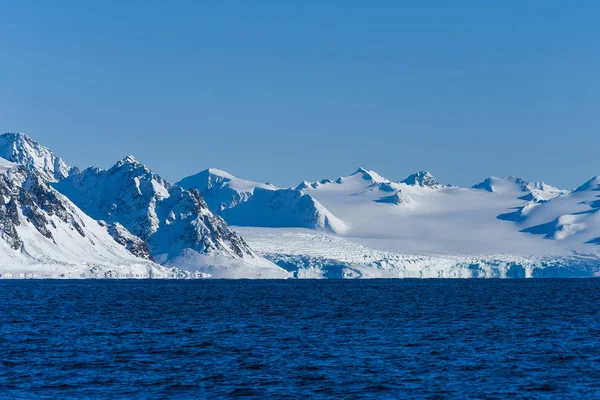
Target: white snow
310, 254
91, 253
359, 226
248, 203
178, 227
19, 148
5, 165
501, 227
412, 219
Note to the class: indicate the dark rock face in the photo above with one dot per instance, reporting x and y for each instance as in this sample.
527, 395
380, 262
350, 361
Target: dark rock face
423, 179
134, 244
26, 191
168, 218
9, 220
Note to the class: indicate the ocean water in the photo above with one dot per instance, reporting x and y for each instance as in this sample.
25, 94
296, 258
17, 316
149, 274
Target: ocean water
300, 339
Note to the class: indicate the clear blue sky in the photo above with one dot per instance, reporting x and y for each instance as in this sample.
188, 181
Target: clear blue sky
284, 91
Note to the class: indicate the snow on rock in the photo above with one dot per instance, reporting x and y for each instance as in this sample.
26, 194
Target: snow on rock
246, 203
398, 198
222, 190
410, 218
370, 176
134, 244
283, 208
422, 179
175, 223
572, 218
358, 226
593, 185
5, 165
20, 148
44, 235
529, 191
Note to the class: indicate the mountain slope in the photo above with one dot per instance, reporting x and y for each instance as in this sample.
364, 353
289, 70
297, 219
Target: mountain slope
423, 179
570, 218
529, 191
421, 216
43, 234
176, 224
220, 189
21, 149
499, 228
246, 203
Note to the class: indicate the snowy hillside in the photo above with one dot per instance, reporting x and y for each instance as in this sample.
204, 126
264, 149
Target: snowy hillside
246, 203
220, 189
44, 235
421, 216
571, 219
175, 223
423, 179
21, 149
531, 191
419, 227
57, 221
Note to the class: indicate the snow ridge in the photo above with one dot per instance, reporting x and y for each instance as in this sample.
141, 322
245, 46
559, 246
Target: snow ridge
532, 191
246, 203
20, 148
43, 234
422, 179
176, 224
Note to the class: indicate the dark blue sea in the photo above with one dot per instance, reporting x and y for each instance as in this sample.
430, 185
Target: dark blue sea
300, 339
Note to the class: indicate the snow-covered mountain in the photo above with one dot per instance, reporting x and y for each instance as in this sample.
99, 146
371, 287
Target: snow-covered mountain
420, 216
43, 234
58, 221
571, 218
246, 203
418, 227
423, 179
529, 191
175, 223
21, 149
417, 215
220, 189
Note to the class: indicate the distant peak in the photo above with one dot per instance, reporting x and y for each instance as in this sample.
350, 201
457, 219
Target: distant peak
369, 175
398, 198
19, 148
18, 139
14, 135
306, 185
490, 182
593, 184
218, 172
129, 160
534, 191
303, 185
423, 179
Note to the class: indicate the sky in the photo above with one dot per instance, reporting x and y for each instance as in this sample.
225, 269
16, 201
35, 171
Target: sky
286, 91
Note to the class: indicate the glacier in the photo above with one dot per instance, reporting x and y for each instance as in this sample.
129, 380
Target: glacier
44, 235
417, 227
60, 222
176, 224
57, 221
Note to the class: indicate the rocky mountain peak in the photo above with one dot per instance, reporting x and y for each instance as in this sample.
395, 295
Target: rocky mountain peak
423, 179
21, 149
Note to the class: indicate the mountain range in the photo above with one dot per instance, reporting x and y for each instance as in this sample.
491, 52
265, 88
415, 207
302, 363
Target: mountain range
126, 221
